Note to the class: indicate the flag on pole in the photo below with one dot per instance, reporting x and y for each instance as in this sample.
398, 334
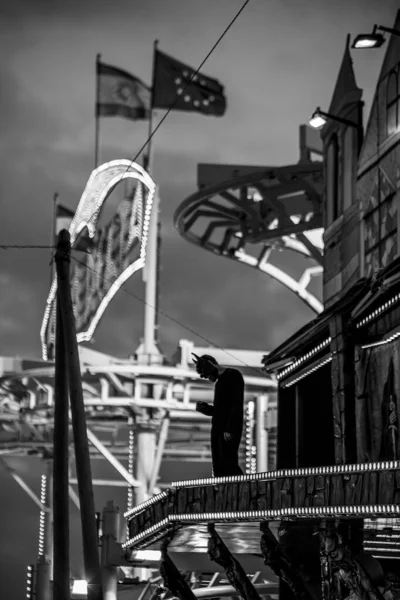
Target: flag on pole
121, 94
203, 94
64, 217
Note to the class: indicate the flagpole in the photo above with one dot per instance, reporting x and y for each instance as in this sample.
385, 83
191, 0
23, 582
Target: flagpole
97, 118
53, 234
150, 270
148, 164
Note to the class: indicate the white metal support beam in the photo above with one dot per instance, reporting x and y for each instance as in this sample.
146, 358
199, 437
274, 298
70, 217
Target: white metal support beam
74, 497
112, 460
159, 454
24, 485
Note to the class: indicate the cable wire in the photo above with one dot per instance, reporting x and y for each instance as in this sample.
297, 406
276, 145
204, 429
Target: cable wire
190, 81
167, 316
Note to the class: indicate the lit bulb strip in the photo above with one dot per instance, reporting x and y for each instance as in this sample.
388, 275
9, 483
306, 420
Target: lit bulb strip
282, 473
141, 536
42, 518
99, 186
29, 582
131, 446
141, 507
249, 437
281, 513
304, 358
375, 313
386, 340
392, 510
308, 372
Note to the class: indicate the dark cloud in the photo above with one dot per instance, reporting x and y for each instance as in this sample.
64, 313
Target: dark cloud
277, 63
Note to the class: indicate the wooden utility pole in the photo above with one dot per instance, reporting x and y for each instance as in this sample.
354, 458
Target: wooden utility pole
81, 444
61, 571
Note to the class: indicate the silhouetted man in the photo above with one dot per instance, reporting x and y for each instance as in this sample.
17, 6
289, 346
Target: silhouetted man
226, 413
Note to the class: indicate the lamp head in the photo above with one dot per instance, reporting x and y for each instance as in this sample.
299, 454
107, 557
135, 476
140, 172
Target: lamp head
317, 120
368, 40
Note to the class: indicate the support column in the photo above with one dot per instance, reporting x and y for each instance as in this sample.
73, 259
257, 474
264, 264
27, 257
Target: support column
343, 394
276, 558
172, 577
145, 437
235, 573
146, 432
48, 531
109, 574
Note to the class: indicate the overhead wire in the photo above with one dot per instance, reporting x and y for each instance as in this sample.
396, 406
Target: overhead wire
195, 73
176, 321
150, 137
185, 86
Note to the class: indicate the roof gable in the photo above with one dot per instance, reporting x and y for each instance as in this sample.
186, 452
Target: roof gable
375, 131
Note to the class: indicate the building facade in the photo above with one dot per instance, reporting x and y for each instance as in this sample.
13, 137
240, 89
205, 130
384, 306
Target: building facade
339, 376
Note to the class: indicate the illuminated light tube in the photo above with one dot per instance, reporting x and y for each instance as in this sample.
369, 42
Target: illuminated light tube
386, 340
131, 446
303, 358
148, 555
79, 587
375, 313
100, 184
273, 514
140, 536
308, 372
140, 507
283, 473
42, 517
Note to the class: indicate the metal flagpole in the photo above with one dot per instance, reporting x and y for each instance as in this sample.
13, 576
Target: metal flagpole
146, 431
97, 117
150, 270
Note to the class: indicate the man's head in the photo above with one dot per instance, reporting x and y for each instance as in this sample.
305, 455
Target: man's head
206, 366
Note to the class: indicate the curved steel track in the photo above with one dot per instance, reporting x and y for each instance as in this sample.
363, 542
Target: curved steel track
272, 209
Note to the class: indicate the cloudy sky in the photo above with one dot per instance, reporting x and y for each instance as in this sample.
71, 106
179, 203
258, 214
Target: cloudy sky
278, 62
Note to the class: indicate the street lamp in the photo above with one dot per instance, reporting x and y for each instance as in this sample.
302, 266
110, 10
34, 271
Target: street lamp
319, 118
374, 39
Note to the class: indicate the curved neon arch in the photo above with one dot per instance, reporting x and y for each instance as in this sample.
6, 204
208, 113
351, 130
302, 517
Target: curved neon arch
100, 184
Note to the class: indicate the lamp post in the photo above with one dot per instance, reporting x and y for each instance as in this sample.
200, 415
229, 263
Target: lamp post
319, 119
373, 40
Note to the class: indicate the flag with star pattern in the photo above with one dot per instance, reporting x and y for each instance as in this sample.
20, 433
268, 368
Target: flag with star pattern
179, 87
121, 94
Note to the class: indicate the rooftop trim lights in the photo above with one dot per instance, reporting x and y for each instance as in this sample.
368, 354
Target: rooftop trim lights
273, 514
145, 504
101, 183
303, 472
317, 366
375, 313
319, 119
372, 40
386, 340
304, 358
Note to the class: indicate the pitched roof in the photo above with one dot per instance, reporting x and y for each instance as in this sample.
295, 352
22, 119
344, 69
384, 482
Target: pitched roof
345, 83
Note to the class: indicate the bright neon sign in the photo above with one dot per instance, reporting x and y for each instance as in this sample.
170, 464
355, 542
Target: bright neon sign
96, 281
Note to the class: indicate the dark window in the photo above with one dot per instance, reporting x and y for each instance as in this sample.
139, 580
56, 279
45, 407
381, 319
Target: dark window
380, 231
332, 175
305, 422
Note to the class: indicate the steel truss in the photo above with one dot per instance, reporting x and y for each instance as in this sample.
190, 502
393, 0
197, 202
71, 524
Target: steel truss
118, 397
270, 210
